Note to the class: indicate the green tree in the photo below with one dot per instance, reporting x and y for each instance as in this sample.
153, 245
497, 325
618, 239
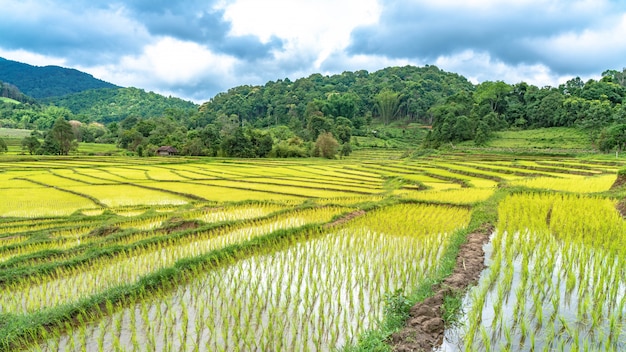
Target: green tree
346, 149
63, 136
326, 146
262, 143
3, 146
317, 125
237, 145
387, 104
494, 94
31, 143
612, 138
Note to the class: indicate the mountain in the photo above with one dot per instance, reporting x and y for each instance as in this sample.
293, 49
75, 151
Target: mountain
48, 81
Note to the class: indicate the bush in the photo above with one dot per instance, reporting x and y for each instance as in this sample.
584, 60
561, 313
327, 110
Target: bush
326, 146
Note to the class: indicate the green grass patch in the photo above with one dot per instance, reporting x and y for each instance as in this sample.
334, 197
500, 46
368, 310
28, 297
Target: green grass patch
9, 100
99, 149
8, 133
543, 138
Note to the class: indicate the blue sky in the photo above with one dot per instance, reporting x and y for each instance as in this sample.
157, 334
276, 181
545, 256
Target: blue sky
195, 49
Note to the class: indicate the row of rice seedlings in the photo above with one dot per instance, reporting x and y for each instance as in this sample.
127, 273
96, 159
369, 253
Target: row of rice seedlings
477, 182
453, 196
122, 195
347, 171
127, 173
313, 295
309, 184
29, 248
468, 168
162, 174
76, 174
279, 189
75, 232
11, 240
55, 181
237, 192
68, 284
100, 174
579, 164
350, 201
556, 279
509, 168
343, 175
12, 183
441, 186
237, 212
40, 203
571, 183
533, 165
30, 225
334, 181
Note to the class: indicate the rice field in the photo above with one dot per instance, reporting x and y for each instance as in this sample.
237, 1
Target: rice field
181, 254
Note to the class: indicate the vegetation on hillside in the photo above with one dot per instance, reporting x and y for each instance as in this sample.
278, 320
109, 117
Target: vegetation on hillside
108, 105
47, 81
13, 93
400, 106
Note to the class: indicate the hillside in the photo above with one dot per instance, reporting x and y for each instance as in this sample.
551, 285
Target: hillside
11, 92
108, 105
389, 94
48, 81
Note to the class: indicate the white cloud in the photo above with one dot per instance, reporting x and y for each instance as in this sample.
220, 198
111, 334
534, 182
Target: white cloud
32, 58
168, 63
480, 66
315, 26
604, 44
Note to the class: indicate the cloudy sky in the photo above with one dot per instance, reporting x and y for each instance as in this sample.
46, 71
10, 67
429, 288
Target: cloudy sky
195, 49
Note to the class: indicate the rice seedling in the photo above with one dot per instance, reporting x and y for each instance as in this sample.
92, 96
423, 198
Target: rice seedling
564, 255
569, 183
454, 196
123, 195
313, 294
68, 284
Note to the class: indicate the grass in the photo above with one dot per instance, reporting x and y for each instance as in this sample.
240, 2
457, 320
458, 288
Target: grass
544, 138
14, 133
9, 100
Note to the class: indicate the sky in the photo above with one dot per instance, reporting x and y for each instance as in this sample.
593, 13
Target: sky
194, 49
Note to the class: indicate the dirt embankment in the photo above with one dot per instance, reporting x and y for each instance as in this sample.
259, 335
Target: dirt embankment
425, 326
619, 182
342, 220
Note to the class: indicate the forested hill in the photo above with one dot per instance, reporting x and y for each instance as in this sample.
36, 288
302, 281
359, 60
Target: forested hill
389, 93
48, 81
10, 91
108, 105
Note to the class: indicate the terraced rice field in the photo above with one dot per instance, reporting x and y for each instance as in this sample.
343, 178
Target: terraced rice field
175, 254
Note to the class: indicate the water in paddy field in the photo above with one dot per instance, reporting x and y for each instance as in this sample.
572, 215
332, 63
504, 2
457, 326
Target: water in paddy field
562, 304
313, 295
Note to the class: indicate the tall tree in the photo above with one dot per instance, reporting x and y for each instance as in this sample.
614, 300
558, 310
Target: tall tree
494, 94
63, 135
387, 103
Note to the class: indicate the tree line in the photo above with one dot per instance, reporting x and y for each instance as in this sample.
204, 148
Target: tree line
286, 118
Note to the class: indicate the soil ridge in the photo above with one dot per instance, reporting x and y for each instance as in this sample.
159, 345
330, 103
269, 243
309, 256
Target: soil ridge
424, 328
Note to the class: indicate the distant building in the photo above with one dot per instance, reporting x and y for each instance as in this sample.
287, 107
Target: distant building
166, 150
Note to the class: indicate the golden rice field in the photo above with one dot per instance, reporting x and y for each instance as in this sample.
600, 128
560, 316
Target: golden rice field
182, 254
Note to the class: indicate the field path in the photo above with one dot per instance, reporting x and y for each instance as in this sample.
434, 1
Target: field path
425, 326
